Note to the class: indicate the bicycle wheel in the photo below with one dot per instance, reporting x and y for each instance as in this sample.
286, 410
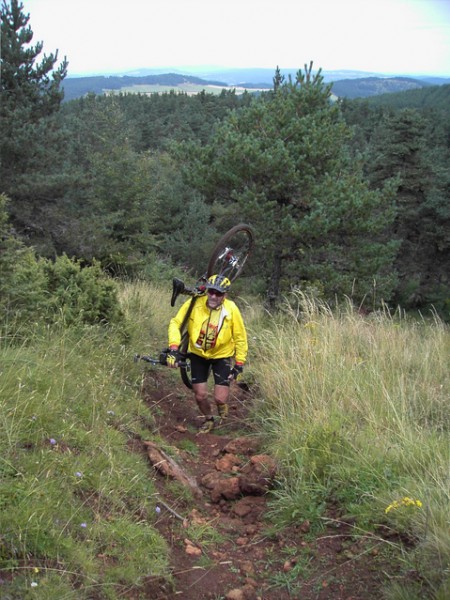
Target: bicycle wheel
231, 252
185, 370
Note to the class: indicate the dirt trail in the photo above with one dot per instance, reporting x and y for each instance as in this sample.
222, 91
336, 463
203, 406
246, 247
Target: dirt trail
222, 544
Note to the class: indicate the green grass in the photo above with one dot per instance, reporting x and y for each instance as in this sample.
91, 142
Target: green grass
77, 506
356, 410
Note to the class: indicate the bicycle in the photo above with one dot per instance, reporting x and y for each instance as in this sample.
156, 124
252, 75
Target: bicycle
227, 259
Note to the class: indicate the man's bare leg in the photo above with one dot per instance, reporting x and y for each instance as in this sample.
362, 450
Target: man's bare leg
221, 395
201, 397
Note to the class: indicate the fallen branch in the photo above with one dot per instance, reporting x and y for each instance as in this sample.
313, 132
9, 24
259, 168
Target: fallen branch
173, 512
167, 466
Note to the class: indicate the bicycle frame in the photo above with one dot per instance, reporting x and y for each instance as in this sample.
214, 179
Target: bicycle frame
227, 258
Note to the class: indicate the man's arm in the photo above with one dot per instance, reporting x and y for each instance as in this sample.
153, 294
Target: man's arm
240, 337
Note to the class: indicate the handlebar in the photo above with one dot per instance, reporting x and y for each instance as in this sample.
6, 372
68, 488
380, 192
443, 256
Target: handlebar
162, 360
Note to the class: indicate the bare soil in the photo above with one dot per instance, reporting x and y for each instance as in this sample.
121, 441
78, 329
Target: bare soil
228, 548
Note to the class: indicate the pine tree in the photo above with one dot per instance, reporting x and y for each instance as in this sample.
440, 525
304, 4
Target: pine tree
399, 152
30, 91
282, 165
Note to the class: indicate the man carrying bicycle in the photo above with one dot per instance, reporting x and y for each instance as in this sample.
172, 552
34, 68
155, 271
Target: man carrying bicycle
217, 342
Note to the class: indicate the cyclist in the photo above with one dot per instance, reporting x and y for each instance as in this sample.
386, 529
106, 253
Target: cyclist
217, 342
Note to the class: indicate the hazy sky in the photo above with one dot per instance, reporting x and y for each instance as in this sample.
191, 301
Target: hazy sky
384, 36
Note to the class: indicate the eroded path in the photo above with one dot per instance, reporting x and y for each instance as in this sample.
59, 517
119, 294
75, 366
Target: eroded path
223, 545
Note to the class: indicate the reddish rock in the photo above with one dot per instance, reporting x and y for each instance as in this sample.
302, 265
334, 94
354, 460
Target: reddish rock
210, 480
226, 488
242, 445
235, 594
305, 526
257, 477
227, 462
242, 507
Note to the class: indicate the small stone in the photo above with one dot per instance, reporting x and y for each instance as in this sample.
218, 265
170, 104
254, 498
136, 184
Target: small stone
287, 566
248, 568
227, 462
210, 480
241, 541
305, 526
193, 551
235, 594
243, 507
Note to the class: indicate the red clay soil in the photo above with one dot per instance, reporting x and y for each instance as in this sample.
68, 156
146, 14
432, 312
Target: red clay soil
239, 555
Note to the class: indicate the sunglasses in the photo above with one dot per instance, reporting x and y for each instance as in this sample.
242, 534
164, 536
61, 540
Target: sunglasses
216, 293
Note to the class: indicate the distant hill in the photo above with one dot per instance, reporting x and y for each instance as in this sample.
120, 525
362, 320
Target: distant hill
435, 97
259, 76
75, 87
356, 84
374, 86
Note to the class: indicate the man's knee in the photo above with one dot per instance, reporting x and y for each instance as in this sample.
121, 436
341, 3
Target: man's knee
200, 392
201, 396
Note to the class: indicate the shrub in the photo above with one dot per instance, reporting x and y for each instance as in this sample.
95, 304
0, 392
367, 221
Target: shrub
37, 288
22, 280
81, 294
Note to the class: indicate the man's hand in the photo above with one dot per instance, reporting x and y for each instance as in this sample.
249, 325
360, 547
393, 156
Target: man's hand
173, 358
236, 371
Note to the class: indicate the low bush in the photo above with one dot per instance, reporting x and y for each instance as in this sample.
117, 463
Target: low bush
35, 289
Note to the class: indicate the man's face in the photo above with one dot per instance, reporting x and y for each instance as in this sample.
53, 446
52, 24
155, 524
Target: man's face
215, 299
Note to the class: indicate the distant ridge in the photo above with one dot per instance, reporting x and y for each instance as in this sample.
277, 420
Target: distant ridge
345, 84
374, 86
74, 87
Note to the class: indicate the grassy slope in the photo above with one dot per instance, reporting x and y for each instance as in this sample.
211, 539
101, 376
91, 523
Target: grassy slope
77, 504
355, 409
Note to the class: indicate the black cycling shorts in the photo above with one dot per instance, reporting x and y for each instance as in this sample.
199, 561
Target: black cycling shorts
201, 368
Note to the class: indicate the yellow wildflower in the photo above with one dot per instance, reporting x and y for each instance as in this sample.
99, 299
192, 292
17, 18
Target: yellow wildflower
405, 501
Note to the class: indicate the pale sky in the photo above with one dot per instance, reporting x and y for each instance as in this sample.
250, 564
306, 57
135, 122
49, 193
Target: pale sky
404, 37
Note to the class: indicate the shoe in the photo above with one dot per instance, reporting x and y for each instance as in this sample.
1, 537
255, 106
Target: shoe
223, 411
207, 426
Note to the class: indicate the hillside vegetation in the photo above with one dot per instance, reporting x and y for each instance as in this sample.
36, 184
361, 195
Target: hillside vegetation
103, 199
354, 409
355, 87
347, 199
373, 86
434, 97
80, 86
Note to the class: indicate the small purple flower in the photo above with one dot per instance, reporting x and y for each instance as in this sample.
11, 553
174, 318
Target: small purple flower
158, 509
83, 525
78, 474
52, 441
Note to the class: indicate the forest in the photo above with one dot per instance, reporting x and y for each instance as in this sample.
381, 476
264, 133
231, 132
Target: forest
347, 199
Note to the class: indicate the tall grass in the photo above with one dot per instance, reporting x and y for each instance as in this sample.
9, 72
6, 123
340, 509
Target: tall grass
354, 408
357, 411
77, 505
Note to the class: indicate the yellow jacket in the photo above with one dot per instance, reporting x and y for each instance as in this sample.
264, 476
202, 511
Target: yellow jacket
231, 337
